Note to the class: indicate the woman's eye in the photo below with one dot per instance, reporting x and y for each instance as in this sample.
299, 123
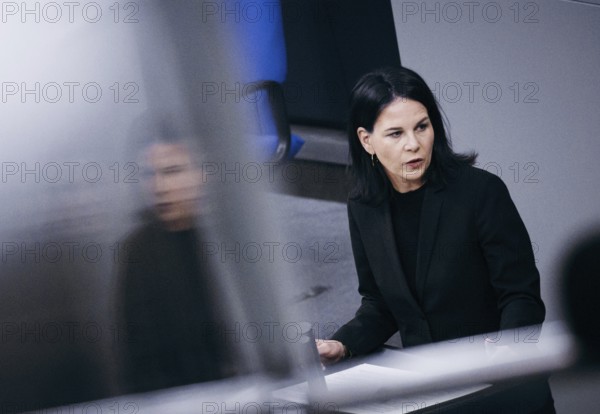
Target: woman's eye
422, 127
395, 134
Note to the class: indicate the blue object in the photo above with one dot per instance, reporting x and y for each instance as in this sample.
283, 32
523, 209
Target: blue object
259, 48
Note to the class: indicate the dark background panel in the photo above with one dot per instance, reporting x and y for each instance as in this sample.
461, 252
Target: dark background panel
329, 45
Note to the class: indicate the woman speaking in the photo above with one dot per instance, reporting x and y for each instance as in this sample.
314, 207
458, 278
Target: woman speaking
440, 249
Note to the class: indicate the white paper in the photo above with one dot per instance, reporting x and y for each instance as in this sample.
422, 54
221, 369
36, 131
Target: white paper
378, 378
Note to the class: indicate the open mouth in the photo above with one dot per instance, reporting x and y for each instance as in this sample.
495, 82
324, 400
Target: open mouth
414, 164
163, 207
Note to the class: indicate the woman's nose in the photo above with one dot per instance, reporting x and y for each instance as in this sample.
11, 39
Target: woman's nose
412, 143
159, 184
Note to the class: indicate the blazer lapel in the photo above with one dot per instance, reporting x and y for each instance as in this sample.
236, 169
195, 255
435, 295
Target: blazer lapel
388, 268
430, 213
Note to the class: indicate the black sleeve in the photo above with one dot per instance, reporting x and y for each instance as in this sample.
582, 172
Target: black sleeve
137, 341
373, 323
509, 256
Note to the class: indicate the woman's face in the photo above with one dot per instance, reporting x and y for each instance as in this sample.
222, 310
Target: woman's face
174, 184
402, 140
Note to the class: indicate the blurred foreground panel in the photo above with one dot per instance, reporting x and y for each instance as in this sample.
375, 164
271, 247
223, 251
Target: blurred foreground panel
81, 92
71, 84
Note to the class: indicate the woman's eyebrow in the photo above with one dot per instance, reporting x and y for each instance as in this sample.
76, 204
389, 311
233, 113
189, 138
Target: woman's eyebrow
424, 119
393, 129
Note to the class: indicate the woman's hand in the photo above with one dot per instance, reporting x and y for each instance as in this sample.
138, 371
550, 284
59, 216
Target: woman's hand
330, 351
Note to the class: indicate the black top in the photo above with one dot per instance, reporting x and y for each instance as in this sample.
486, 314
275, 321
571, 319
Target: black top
406, 214
171, 330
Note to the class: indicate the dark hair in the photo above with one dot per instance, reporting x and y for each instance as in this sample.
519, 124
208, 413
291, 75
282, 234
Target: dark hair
369, 97
157, 128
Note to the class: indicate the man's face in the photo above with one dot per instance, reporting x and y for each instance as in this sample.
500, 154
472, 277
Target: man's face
175, 184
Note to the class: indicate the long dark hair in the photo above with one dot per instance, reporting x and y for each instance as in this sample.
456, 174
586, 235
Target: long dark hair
370, 96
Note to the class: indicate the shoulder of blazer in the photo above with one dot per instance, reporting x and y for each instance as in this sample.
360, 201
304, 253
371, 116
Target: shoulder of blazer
473, 177
466, 176
365, 218
358, 209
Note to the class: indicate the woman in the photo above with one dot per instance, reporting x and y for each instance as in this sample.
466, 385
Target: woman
166, 292
440, 249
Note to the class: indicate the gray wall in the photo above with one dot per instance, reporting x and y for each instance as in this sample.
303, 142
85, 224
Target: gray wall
522, 90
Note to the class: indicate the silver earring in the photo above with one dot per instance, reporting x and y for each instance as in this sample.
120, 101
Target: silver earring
373, 160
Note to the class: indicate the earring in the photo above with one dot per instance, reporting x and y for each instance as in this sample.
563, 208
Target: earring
373, 160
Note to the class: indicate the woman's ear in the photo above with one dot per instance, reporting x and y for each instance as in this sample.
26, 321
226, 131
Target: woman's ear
364, 137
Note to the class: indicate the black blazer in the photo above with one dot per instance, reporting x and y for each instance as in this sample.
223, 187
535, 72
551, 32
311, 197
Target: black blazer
475, 267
